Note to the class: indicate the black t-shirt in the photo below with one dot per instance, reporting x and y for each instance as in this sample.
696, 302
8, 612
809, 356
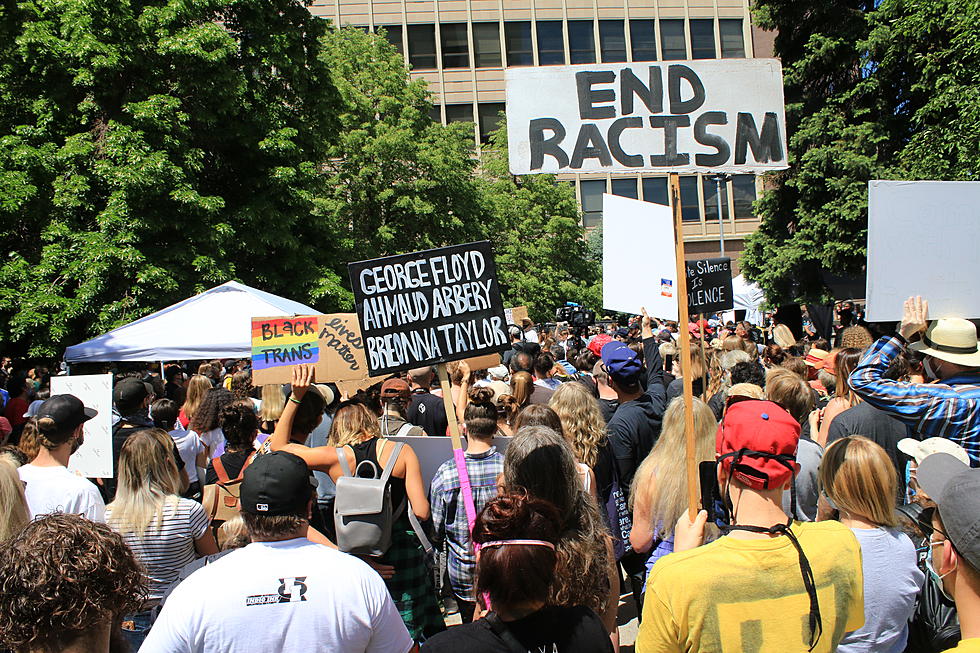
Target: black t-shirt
877, 425
233, 461
429, 412
608, 408
552, 629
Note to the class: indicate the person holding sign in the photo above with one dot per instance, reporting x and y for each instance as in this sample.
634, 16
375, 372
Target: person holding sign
948, 409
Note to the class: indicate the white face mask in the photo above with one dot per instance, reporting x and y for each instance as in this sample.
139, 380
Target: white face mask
929, 369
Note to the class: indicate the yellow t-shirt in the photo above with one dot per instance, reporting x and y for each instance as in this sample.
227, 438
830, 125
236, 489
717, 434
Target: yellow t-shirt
971, 645
747, 596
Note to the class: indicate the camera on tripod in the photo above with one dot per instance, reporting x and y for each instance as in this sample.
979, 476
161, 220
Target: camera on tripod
576, 316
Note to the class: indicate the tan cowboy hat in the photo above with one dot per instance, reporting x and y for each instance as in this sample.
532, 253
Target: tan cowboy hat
951, 339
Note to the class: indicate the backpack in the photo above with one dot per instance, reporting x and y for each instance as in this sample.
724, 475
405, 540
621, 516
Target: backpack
221, 499
362, 510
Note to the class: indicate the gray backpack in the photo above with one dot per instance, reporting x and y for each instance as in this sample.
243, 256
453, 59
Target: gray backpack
362, 510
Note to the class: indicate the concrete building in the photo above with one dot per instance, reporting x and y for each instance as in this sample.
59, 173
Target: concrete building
461, 48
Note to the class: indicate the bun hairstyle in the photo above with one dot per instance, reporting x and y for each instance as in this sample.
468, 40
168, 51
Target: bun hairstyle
515, 574
239, 423
481, 414
50, 435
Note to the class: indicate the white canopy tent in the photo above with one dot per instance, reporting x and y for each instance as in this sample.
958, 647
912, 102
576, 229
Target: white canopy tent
747, 297
214, 324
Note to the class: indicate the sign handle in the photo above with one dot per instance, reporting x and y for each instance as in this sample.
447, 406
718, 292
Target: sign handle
465, 486
682, 315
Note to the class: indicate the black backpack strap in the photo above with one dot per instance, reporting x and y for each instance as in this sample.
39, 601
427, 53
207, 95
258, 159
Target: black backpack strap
500, 629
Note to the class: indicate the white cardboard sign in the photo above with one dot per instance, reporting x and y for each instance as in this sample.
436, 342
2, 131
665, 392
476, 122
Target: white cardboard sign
94, 458
922, 240
712, 115
639, 263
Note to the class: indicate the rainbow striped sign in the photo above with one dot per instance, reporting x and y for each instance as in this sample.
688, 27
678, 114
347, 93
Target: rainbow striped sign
284, 341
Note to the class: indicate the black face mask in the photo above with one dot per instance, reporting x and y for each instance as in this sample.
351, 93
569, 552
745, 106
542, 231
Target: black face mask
816, 623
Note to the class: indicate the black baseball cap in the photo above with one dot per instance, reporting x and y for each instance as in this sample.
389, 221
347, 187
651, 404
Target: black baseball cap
130, 391
277, 483
67, 411
955, 488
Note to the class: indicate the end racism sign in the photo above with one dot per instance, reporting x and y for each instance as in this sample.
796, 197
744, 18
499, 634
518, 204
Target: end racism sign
709, 285
429, 307
721, 115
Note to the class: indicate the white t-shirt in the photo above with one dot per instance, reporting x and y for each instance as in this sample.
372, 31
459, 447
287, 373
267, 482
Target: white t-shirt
166, 547
214, 440
280, 596
188, 445
55, 489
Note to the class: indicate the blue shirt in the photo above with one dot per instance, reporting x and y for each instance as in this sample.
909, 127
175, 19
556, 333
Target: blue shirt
950, 409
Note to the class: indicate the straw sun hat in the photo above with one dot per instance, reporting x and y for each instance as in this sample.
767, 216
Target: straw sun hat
951, 339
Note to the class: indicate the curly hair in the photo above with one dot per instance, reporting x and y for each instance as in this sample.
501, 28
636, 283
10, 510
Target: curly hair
61, 576
206, 418
581, 421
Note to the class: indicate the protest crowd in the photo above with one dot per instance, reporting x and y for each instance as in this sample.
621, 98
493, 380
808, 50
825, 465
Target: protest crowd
839, 496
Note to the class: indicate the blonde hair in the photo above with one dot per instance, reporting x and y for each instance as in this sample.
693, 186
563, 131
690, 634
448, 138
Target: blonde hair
581, 421
197, 388
148, 483
662, 476
860, 479
273, 401
786, 388
745, 390
521, 385
783, 336
14, 514
353, 423
30, 443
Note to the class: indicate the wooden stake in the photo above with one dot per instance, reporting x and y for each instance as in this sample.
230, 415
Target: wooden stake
692, 465
447, 400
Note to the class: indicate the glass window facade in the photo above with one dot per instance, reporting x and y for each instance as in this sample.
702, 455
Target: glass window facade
710, 188
732, 41
592, 190
551, 43
581, 41
702, 39
489, 118
455, 45
625, 187
674, 43
743, 195
422, 46
690, 209
517, 36
655, 190
643, 40
393, 34
486, 42
459, 113
612, 41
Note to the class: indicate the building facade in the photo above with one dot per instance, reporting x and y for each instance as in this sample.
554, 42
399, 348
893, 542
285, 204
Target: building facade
461, 48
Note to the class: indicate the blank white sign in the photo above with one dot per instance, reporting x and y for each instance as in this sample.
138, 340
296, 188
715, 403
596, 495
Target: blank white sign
94, 458
639, 266
922, 240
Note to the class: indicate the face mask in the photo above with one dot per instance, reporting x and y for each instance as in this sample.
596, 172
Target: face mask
929, 369
936, 576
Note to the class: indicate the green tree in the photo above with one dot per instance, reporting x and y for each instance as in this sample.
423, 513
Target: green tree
543, 259
874, 90
151, 148
396, 180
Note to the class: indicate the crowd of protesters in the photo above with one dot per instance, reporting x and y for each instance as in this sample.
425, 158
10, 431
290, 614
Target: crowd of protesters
840, 505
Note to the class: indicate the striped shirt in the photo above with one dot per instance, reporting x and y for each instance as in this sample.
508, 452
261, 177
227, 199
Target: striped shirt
449, 514
168, 545
950, 409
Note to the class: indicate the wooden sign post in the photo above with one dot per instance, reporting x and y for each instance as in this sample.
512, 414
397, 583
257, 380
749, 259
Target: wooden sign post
682, 317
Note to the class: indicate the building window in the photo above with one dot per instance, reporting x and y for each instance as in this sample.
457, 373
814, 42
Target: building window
643, 40
710, 187
517, 37
489, 118
673, 45
612, 41
422, 46
732, 44
393, 34
690, 209
581, 41
624, 187
592, 190
486, 42
459, 113
703, 39
743, 194
655, 190
551, 43
435, 113
455, 45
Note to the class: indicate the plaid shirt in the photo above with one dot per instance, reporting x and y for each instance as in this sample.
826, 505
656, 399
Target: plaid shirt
950, 409
449, 514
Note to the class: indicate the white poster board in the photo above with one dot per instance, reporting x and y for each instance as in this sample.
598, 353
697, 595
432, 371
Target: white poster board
711, 115
94, 458
922, 240
639, 264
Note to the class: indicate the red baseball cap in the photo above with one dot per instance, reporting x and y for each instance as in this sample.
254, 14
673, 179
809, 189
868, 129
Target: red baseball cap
758, 427
598, 342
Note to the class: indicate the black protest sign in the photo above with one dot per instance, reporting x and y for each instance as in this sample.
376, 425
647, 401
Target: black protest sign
429, 307
709, 285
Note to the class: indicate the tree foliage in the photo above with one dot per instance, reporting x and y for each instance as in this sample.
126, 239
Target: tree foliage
874, 90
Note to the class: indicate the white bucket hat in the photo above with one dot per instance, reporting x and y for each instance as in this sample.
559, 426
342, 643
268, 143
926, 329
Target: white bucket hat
951, 339
919, 449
